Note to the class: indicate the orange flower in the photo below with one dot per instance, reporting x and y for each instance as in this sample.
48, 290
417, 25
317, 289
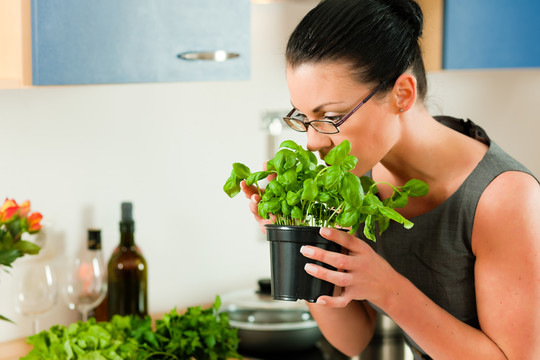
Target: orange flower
24, 209
8, 210
33, 222
8, 203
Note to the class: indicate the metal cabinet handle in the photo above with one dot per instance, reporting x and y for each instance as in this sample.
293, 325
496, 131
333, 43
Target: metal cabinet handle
218, 55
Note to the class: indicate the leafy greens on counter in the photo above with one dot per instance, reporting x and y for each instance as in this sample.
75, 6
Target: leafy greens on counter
202, 334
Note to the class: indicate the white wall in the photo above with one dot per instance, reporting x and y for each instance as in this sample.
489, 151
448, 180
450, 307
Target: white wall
77, 151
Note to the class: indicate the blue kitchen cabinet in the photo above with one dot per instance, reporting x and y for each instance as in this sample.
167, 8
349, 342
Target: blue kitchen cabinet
132, 41
491, 34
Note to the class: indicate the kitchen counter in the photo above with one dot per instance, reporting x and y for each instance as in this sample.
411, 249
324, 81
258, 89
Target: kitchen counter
14, 349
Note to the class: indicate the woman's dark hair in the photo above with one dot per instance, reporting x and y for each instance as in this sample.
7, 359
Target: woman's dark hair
378, 39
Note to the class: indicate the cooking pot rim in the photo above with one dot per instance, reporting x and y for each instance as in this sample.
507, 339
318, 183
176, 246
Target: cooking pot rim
308, 324
251, 299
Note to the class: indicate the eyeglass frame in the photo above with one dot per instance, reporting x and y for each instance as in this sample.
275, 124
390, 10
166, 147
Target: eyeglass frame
339, 123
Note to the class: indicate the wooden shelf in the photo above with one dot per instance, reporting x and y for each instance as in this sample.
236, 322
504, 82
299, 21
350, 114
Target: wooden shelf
15, 44
432, 38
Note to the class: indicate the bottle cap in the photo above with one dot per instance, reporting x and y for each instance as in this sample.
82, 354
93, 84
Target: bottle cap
127, 212
94, 239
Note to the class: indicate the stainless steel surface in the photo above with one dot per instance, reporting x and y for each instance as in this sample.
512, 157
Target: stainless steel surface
388, 342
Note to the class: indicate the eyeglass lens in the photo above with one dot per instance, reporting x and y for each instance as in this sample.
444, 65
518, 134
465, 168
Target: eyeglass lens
326, 127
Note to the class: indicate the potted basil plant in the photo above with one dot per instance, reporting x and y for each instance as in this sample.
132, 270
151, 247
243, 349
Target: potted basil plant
304, 196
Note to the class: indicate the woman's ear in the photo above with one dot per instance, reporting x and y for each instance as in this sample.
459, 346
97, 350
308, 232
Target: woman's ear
404, 92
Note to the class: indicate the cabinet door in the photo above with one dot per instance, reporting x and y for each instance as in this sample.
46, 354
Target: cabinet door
491, 34
124, 41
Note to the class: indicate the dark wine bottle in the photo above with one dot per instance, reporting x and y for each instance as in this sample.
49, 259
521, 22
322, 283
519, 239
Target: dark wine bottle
127, 272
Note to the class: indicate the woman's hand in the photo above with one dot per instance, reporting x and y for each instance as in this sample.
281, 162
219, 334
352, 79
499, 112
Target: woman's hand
252, 193
362, 274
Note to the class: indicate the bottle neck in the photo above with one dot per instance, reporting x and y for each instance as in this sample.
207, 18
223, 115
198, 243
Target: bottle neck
94, 240
127, 230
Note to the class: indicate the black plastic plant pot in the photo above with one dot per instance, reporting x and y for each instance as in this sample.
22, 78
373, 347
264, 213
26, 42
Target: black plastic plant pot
289, 280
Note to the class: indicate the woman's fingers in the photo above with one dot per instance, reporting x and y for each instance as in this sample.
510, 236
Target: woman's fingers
338, 278
249, 191
343, 238
361, 274
337, 260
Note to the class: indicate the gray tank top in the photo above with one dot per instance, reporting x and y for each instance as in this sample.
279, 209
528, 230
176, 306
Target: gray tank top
435, 254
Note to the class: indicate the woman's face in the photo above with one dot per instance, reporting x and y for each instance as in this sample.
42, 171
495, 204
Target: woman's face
327, 90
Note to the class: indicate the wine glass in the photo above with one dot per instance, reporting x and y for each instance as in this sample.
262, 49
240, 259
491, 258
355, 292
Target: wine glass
36, 290
86, 282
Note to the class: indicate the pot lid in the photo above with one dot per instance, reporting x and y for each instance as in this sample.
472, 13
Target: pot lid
259, 298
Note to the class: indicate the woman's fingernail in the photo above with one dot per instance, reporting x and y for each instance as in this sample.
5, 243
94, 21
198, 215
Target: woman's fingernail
324, 231
321, 301
310, 268
307, 251
254, 198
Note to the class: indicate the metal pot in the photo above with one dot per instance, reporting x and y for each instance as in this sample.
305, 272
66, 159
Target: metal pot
387, 341
267, 325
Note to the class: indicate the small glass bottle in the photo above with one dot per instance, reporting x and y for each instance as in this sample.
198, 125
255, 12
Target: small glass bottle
127, 272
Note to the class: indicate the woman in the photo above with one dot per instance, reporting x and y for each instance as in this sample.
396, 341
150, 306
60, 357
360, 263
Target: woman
464, 282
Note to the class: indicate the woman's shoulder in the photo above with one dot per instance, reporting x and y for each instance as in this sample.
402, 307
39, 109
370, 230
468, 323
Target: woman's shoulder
508, 211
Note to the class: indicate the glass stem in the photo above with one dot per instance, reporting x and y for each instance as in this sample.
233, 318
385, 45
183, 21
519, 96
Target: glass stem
84, 315
35, 325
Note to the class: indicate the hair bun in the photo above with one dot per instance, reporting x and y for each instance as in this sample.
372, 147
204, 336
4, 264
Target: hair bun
409, 11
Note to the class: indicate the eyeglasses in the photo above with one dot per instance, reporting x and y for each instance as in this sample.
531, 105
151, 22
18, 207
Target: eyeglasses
298, 122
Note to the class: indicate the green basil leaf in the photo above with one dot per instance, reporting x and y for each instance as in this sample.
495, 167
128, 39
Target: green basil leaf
285, 208
398, 199
351, 189
313, 159
383, 222
371, 199
310, 190
333, 177
369, 229
367, 182
232, 185
276, 188
338, 154
394, 215
325, 197
290, 144
270, 165
349, 163
293, 198
284, 160
288, 177
241, 171
257, 176
274, 206
369, 210
303, 158
416, 188
348, 218
296, 213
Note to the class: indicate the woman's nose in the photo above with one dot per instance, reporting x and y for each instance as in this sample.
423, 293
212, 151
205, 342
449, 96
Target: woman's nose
316, 140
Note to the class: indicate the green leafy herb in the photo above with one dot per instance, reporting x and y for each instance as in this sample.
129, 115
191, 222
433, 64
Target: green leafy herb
202, 334
304, 192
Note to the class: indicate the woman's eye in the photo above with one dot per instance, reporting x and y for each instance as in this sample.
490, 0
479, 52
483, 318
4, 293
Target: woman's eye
300, 116
333, 118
